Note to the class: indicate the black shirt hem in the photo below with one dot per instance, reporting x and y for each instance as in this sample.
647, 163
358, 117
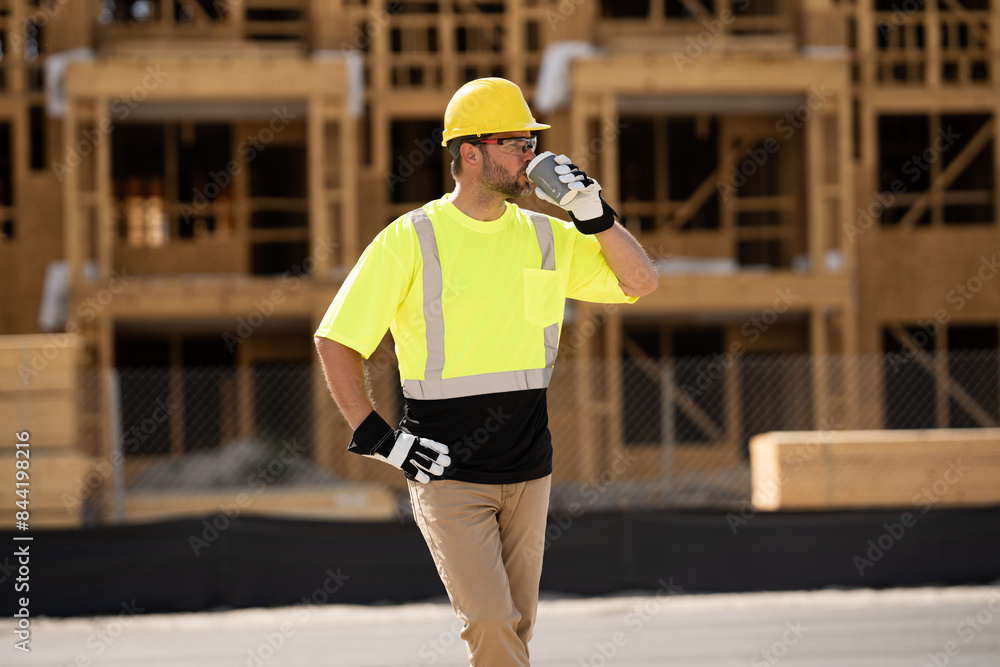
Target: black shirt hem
499, 478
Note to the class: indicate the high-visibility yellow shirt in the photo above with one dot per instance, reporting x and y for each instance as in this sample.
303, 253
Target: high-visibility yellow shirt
496, 300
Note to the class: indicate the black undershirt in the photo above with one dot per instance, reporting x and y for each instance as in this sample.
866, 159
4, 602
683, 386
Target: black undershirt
494, 438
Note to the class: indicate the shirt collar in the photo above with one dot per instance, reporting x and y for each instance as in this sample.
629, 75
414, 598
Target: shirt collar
488, 226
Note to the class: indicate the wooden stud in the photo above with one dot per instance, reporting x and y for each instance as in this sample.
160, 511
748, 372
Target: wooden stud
942, 378
349, 219
994, 55
995, 119
319, 224
819, 349
514, 47
866, 55
71, 202
931, 20
15, 47
815, 204
609, 159
104, 214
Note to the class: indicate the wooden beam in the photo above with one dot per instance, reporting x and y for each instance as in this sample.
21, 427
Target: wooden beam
708, 187
975, 29
932, 36
949, 174
72, 237
104, 214
994, 39
815, 203
609, 159
184, 78
847, 184
649, 73
864, 15
954, 389
693, 411
851, 360
514, 47
942, 377
14, 48
697, 415
743, 292
820, 355
349, 220
996, 144
319, 224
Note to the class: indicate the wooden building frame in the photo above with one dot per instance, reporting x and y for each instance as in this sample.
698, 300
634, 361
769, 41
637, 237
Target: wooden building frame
331, 187
843, 63
601, 85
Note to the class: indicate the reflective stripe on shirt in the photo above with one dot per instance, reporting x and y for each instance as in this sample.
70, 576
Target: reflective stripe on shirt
546, 244
433, 290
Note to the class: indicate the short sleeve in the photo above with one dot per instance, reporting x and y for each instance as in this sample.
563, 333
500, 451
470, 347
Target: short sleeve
368, 300
590, 277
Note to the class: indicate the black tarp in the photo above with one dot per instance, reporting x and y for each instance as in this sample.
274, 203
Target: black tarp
191, 564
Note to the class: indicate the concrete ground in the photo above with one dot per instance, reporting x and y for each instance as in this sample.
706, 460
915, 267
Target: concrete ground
860, 628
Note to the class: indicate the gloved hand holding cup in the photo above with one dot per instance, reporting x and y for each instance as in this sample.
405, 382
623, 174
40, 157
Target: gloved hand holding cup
562, 183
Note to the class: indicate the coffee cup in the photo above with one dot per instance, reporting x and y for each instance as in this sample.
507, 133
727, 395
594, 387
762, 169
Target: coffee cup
542, 172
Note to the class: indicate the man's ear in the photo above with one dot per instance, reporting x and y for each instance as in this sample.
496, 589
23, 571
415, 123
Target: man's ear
470, 155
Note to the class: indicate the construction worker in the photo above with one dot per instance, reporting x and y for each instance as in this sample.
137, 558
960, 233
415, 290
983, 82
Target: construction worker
473, 289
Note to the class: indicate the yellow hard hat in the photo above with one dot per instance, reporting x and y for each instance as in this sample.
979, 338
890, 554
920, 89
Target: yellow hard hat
487, 106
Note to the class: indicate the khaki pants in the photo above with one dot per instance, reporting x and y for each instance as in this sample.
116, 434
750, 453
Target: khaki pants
487, 541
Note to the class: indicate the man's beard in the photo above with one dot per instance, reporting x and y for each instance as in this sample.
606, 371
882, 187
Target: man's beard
499, 181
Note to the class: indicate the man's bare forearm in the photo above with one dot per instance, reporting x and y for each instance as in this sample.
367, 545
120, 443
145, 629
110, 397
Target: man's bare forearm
628, 261
345, 376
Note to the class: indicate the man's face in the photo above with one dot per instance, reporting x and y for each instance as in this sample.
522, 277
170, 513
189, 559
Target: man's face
504, 172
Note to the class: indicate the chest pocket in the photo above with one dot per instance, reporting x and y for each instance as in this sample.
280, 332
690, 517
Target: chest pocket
544, 297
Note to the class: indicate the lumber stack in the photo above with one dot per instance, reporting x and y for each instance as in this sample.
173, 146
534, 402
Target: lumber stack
913, 469
39, 385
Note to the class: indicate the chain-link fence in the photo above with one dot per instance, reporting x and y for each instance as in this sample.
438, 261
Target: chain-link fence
630, 433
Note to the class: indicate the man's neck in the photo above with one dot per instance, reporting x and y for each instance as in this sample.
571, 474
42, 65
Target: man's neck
478, 203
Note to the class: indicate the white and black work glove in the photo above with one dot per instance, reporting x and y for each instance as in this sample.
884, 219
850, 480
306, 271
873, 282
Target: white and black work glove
420, 458
588, 210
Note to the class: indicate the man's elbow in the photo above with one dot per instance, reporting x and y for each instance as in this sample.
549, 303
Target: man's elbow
326, 348
331, 351
645, 284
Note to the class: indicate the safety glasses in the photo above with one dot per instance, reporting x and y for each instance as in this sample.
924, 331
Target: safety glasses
511, 144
